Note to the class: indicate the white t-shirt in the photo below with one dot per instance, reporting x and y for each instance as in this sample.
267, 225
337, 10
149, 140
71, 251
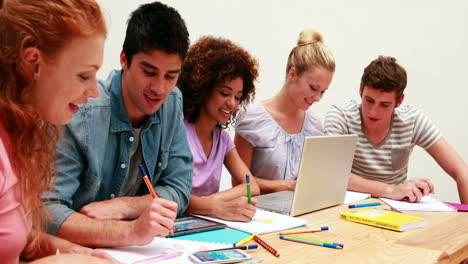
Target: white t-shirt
388, 161
277, 154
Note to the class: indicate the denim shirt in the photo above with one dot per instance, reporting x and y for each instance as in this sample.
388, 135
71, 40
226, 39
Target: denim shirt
94, 153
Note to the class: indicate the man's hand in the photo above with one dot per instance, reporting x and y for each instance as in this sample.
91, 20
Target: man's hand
155, 221
235, 210
412, 190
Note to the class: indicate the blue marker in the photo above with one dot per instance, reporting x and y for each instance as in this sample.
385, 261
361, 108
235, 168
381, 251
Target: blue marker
363, 205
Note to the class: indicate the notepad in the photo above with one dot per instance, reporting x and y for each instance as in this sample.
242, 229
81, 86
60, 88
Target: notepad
265, 222
427, 203
161, 246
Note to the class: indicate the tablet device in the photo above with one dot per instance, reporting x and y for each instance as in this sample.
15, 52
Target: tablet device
190, 224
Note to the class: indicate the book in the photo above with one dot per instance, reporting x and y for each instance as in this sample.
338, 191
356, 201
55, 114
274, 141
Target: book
190, 224
385, 219
264, 222
427, 203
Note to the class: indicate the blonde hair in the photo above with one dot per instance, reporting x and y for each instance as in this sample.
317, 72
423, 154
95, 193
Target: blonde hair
310, 51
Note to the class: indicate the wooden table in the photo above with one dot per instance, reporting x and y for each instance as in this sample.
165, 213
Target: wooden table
443, 240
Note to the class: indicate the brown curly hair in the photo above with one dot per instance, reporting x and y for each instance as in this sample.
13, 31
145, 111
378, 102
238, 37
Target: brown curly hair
212, 61
384, 73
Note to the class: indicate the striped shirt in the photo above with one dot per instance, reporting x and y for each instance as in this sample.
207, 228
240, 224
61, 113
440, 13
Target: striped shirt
388, 161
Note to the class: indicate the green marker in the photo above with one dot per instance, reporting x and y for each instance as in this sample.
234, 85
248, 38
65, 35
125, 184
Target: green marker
249, 194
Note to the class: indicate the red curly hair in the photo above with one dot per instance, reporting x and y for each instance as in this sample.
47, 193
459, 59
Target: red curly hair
212, 61
49, 26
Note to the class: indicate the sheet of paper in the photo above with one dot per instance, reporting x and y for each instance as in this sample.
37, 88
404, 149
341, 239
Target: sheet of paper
264, 222
352, 197
160, 246
427, 203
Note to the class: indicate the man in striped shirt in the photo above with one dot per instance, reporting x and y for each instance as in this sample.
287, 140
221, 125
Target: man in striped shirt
387, 134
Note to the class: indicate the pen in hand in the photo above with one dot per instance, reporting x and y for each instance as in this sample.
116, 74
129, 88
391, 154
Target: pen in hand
147, 181
249, 194
150, 188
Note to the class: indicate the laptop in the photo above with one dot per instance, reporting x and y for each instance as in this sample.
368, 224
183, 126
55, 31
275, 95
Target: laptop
322, 180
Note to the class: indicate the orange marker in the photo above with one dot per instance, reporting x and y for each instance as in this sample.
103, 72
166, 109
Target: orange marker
150, 188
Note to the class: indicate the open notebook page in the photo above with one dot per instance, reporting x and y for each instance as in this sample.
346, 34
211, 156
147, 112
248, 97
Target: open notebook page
161, 246
427, 203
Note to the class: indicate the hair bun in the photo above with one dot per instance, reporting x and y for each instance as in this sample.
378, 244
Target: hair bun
309, 36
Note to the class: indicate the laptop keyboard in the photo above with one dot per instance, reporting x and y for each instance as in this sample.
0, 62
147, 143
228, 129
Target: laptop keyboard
280, 205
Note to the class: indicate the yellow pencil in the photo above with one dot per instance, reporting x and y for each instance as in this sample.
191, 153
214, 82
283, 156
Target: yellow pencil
245, 240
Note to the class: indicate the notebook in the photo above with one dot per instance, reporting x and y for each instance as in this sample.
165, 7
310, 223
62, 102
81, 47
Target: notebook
385, 219
264, 222
322, 180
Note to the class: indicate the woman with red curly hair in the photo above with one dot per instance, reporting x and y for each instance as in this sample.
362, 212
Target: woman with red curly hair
217, 77
50, 51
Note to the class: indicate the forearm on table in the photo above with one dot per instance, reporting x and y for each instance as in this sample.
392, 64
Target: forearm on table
269, 186
233, 193
201, 205
135, 205
90, 232
375, 188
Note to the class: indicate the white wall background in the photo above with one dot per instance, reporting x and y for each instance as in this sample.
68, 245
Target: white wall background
428, 37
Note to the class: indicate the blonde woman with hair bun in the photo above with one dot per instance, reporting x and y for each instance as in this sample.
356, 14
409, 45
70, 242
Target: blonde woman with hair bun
270, 134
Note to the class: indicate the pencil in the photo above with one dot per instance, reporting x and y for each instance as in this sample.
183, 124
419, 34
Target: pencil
303, 230
312, 241
245, 240
266, 246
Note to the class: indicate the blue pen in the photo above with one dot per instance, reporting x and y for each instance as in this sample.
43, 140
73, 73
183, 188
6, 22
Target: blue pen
363, 205
247, 247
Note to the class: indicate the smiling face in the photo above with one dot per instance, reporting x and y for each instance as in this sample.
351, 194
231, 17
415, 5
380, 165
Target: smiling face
309, 87
148, 81
62, 84
377, 106
223, 101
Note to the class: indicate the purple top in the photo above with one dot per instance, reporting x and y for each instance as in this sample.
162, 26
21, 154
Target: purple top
207, 170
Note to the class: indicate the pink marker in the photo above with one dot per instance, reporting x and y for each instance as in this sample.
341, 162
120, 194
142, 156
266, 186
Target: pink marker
159, 258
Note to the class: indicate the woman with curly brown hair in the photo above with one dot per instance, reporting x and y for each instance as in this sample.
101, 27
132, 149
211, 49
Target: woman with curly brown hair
217, 77
49, 54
